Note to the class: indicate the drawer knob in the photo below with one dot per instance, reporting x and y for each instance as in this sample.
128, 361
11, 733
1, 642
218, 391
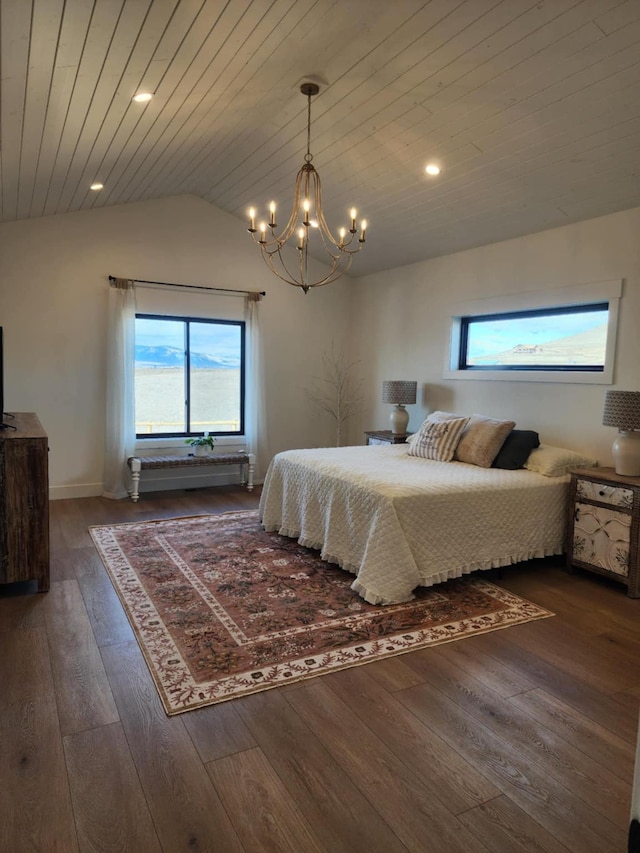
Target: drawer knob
601, 493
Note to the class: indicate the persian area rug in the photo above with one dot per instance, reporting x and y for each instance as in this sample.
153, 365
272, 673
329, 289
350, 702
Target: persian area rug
222, 609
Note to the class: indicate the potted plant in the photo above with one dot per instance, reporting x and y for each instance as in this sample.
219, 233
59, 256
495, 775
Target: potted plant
202, 445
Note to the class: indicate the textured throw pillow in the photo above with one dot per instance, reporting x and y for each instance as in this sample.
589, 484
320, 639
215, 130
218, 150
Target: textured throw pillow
516, 449
556, 461
434, 417
437, 439
482, 439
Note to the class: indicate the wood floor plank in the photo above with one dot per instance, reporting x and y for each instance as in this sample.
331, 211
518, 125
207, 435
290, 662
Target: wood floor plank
598, 742
501, 679
257, 802
418, 817
506, 828
21, 607
342, 818
186, 810
603, 708
35, 805
393, 674
109, 806
441, 769
578, 772
82, 690
108, 620
537, 793
218, 731
592, 658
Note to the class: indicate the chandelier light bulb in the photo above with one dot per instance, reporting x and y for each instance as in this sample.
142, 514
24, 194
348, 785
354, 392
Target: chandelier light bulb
263, 232
363, 228
300, 238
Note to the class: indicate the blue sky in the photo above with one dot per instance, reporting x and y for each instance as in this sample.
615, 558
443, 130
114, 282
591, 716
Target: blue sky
494, 336
208, 338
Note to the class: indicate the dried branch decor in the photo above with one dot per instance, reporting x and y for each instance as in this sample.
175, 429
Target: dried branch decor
337, 392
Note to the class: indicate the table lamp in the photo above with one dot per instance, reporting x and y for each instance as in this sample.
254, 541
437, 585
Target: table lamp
401, 393
622, 410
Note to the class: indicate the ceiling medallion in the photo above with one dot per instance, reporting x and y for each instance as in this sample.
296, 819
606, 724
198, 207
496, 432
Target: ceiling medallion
307, 222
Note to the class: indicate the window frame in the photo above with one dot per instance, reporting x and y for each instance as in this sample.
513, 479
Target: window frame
468, 320
187, 320
573, 296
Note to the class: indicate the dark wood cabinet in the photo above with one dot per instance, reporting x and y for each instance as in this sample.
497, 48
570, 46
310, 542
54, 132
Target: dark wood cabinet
385, 436
24, 507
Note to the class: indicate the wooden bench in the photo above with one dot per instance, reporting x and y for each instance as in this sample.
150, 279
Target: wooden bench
245, 460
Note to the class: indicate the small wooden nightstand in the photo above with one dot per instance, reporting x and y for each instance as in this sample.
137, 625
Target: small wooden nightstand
604, 520
385, 436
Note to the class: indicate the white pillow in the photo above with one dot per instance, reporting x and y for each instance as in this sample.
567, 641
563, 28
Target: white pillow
438, 437
556, 461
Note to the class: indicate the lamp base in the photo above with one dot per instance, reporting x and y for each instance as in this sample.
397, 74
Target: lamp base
626, 453
399, 420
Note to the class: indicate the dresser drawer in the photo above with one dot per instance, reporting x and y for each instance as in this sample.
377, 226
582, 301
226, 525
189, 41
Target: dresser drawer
601, 538
586, 490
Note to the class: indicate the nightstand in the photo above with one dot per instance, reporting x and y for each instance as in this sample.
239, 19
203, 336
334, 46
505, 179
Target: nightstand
604, 520
385, 436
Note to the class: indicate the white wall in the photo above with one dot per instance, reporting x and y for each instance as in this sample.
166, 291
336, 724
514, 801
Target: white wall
53, 297
403, 323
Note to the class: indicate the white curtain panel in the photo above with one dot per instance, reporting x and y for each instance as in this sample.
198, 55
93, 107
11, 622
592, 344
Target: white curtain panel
120, 435
255, 413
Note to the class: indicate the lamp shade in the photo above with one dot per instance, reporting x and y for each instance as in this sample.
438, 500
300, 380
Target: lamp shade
399, 392
622, 409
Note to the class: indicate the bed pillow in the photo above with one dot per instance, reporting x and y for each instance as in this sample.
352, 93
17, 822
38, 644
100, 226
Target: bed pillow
556, 461
438, 437
482, 439
434, 417
516, 449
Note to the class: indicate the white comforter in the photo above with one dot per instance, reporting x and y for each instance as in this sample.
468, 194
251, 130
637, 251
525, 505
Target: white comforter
398, 522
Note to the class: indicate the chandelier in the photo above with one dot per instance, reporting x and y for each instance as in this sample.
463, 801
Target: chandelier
306, 222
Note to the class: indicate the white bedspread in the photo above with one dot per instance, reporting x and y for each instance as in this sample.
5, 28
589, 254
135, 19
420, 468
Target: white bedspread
398, 522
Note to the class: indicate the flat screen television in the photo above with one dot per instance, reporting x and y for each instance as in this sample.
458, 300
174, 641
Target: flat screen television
3, 414
1, 377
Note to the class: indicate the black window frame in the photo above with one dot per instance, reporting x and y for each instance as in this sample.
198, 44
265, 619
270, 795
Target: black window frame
466, 321
187, 321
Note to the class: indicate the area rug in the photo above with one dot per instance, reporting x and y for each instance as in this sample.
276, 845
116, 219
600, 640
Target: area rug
222, 609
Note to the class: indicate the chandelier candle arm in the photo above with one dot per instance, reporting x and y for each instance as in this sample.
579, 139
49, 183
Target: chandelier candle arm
307, 217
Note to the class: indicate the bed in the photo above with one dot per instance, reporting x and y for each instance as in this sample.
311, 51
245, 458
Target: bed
397, 521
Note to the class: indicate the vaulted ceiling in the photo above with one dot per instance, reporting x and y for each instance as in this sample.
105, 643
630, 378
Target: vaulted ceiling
531, 107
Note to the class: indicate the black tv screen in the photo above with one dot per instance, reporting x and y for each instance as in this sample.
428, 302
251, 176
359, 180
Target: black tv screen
1, 377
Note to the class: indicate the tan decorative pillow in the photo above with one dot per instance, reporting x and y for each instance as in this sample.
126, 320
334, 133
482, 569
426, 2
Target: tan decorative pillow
482, 440
437, 439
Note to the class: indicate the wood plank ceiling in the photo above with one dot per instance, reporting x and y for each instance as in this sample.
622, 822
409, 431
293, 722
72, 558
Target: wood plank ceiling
532, 108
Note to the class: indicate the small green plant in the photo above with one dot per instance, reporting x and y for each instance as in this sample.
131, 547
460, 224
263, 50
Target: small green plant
205, 440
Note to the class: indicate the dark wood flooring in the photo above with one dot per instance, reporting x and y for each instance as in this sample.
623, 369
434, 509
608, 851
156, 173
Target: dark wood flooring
517, 740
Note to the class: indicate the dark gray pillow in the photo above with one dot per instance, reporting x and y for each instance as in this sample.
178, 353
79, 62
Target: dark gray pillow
516, 449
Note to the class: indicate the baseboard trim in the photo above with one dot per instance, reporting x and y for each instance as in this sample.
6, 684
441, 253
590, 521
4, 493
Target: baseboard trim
153, 481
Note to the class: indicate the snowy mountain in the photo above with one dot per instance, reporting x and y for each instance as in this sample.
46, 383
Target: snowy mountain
163, 356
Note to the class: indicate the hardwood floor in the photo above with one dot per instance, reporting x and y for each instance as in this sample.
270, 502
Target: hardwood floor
517, 740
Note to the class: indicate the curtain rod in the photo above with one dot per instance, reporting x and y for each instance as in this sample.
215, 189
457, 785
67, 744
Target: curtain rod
113, 278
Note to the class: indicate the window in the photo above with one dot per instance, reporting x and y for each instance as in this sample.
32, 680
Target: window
564, 334
569, 339
189, 376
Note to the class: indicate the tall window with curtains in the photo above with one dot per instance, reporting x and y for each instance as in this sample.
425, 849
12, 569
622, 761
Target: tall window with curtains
189, 376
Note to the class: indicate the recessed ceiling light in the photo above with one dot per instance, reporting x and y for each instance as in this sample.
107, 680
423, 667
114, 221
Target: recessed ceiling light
143, 97
96, 187
432, 169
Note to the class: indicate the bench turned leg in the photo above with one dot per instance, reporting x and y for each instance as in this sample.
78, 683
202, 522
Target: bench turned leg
134, 465
250, 469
